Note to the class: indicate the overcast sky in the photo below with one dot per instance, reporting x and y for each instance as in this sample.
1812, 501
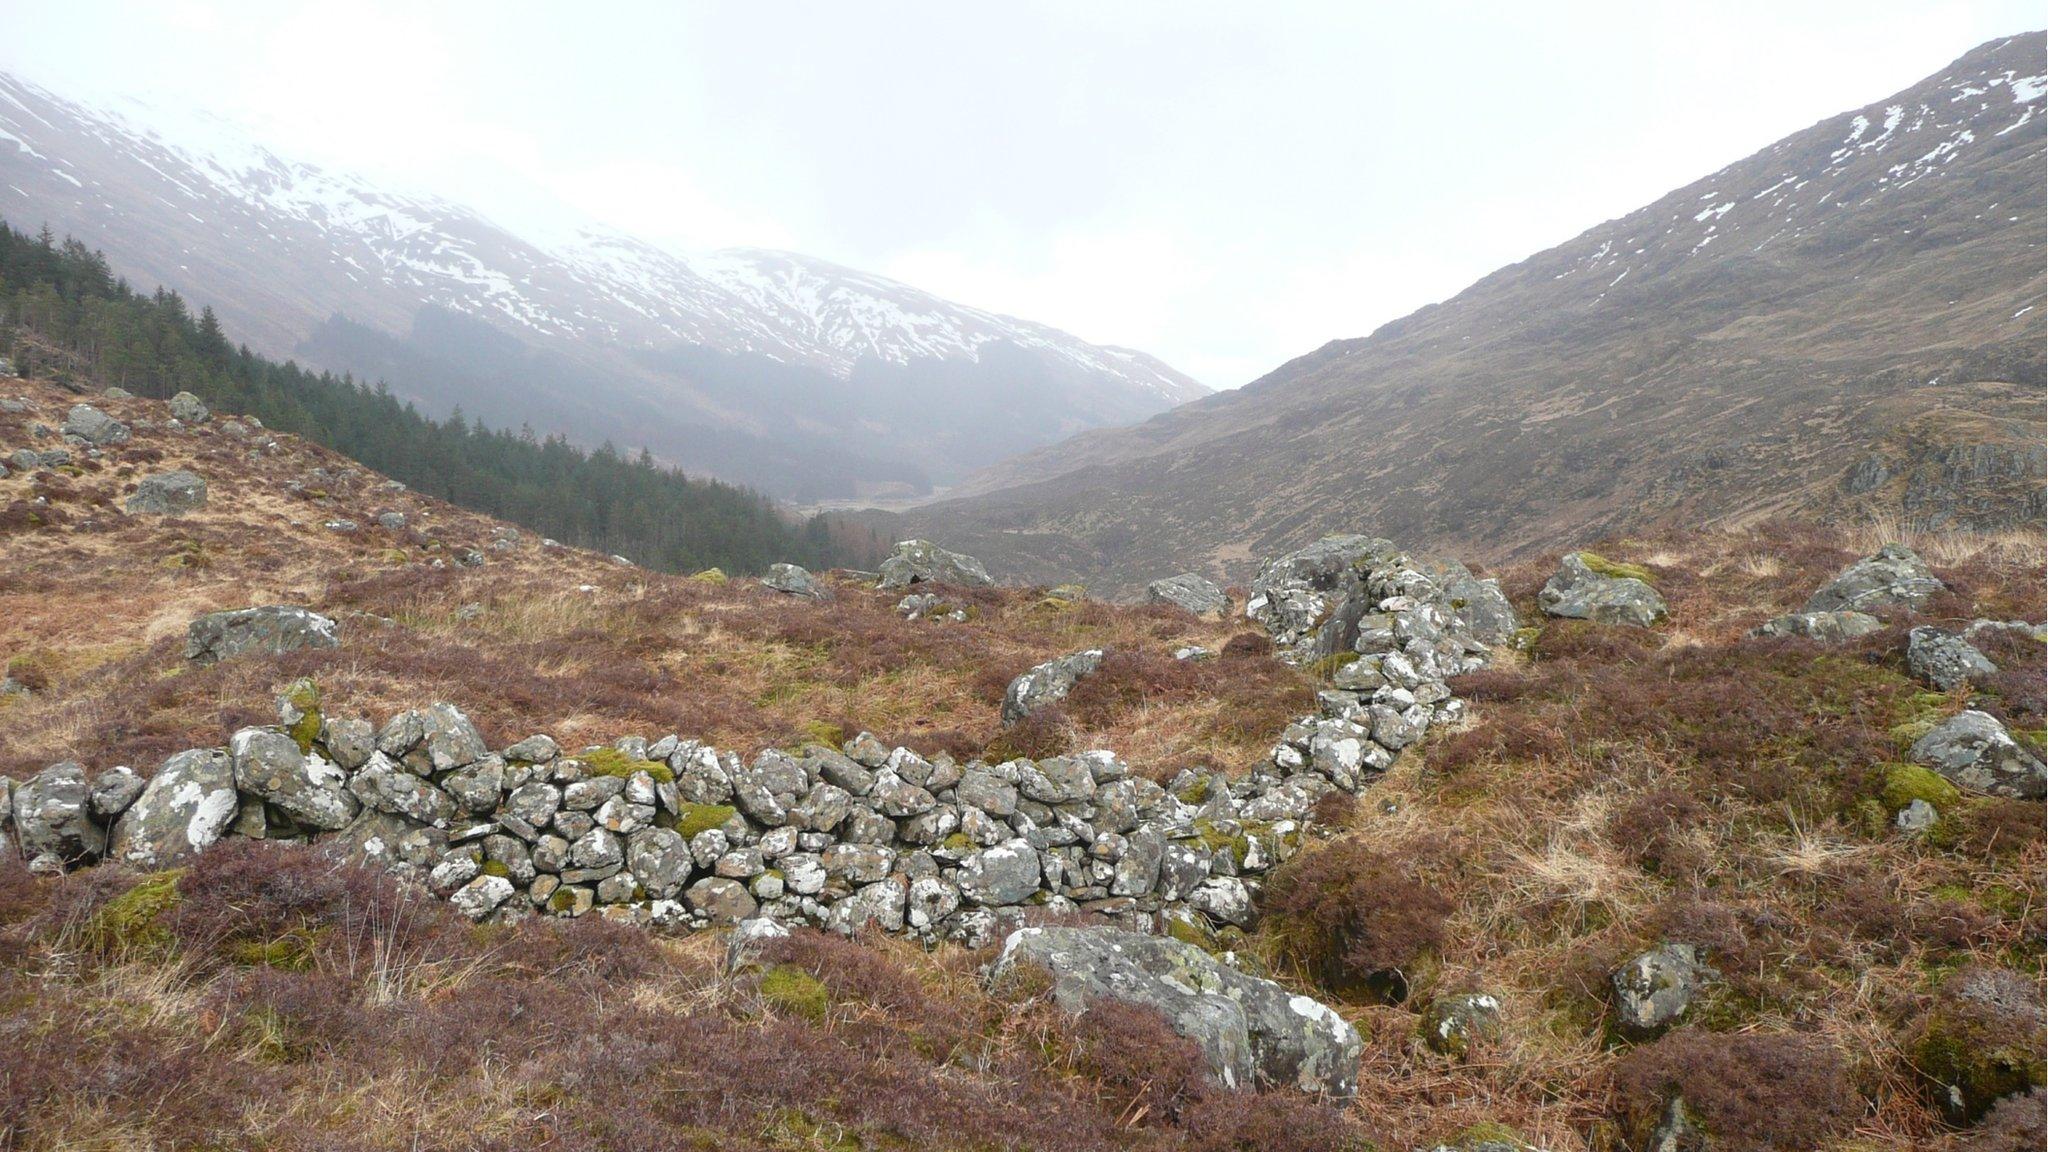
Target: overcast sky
1223, 185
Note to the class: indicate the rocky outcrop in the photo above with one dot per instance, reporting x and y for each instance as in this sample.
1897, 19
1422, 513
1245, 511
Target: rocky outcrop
273, 628
1252, 1032
1047, 684
1974, 751
1588, 588
1190, 593
923, 562
168, 494
1894, 576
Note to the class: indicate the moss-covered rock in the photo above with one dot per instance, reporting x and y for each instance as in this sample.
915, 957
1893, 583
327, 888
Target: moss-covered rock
1616, 570
612, 762
131, 923
1905, 783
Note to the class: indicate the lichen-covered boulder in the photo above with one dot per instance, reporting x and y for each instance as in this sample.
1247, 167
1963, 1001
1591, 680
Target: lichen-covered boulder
923, 562
1944, 659
1047, 684
1974, 751
1252, 1032
271, 628
1893, 576
53, 817
1309, 601
94, 426
190, 409
304, 785
1822, 627
795, 581
1588, 588
1653, 990
168, 494
1190, 593
187, 806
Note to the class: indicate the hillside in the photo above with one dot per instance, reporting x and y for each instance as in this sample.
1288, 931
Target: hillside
1848, 321
1857, 941
778, 370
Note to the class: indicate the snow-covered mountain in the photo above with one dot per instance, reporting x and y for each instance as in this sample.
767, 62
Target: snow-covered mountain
771, 367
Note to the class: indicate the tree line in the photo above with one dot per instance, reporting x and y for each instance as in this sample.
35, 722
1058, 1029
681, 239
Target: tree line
66, 314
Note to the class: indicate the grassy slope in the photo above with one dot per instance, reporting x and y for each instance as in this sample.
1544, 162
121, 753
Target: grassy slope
1615, 788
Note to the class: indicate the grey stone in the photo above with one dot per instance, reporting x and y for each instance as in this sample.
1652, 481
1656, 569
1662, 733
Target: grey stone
1893, 576
534, 750
481, 896
922, 562
94, 426
168, 494
349, 741
272, 628
748, 940
1653, 990
306, 787
1577, 592
720, 900
1252, 1032
113, 791
383, 785
1916, 817
1047, 684
1005, 874
186, 806
190, 409
1455, 1023
1974, 751
53, 816
661, 859
1944, 660
1822, 627
1190, 593
795, 581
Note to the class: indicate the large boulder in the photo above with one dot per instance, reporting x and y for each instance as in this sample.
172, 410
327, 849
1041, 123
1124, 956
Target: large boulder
168, 494
1252, 1032
795, 581
190, 409
1894, 576
1189, 592
53, 817
923, 562
94, 426
1943, 659
1974, 751
1587, 588
1047, 684
188, 804
272, 628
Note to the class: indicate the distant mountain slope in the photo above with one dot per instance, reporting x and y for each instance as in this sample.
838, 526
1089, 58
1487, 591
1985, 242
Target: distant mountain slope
1850, 318
879, 385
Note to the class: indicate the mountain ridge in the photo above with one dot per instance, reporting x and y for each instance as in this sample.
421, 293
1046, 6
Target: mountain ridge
280, 247
1734, 347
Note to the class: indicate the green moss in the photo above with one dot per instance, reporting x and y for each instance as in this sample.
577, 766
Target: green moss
1195, 793
131, 922
712, 576
563, 899
1983, 1068
1189, 928
695, 818
612, 762
1524, 639
795, 992
497, 868
1616, 570
1212, 838
824, 732
959, 842
1905, 783
292, 952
